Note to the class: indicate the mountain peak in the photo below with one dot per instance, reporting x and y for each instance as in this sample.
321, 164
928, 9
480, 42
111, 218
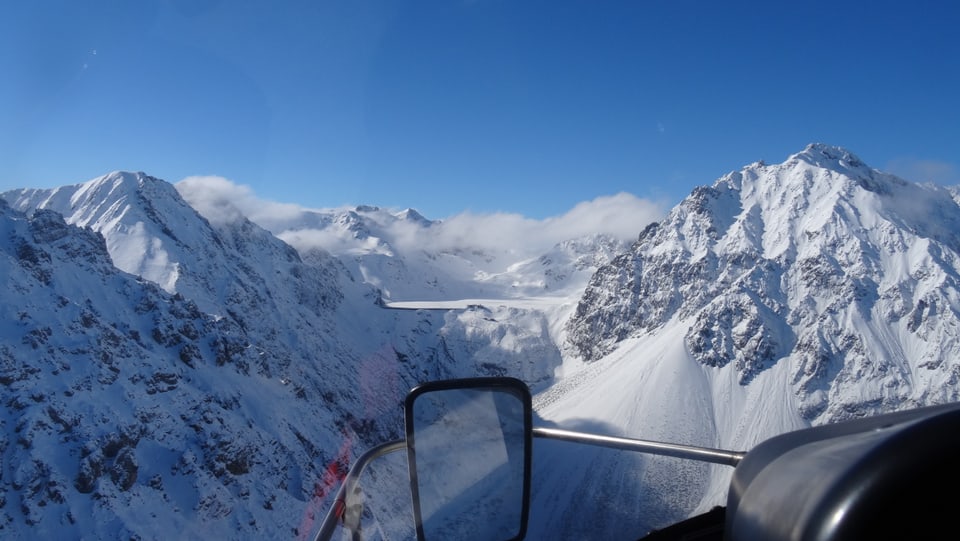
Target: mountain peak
411, 215
818, 172
825, 155
796, 266
802, 292
838, 159
128, 182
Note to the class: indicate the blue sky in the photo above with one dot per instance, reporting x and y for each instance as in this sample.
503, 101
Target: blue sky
516, 106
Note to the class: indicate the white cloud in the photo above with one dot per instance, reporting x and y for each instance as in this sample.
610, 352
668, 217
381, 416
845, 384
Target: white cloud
934, 171
330, 240
622, 215
221, 200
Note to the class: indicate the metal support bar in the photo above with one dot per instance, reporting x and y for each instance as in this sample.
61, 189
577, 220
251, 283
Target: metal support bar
329, 524
703, 454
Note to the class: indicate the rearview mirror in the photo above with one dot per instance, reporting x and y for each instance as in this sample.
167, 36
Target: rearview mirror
469, 448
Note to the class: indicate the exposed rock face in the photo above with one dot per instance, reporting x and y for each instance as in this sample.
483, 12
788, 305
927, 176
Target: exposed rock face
846, 273
161, 371
216, 405
164, 372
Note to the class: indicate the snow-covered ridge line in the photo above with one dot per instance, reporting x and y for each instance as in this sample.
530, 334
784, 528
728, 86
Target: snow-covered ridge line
164, 369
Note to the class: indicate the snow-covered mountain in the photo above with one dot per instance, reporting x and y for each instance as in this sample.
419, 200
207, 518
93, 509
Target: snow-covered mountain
170, 368
843, 273
406, 256
785, 295
133, 410
166, 375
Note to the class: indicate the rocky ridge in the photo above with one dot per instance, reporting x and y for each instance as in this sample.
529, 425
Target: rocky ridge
844, 272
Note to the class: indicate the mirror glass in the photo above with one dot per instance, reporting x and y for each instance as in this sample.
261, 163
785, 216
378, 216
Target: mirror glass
468, 445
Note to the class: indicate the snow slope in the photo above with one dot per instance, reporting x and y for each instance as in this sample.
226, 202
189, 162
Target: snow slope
782, 296
202, 376
172, 369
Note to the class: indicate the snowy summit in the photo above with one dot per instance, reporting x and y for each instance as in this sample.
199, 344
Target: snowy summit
174, 367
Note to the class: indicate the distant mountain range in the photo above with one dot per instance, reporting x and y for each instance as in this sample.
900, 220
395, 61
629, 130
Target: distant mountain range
173, 370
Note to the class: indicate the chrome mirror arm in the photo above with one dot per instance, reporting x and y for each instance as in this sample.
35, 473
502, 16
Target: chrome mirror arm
336, 511
702, 454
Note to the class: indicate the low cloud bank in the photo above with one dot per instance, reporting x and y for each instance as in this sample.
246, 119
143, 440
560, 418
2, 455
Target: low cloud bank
622, 215
932, 171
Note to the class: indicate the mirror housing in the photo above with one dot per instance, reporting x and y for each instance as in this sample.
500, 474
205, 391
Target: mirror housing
469, 451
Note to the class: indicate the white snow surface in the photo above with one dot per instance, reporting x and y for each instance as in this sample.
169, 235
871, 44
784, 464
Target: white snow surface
173, 370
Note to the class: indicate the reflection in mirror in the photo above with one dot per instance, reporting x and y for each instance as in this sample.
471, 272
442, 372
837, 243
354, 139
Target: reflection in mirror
468, 446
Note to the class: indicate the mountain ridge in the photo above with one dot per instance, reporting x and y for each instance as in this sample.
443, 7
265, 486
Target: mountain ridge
765, 255
168, 367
